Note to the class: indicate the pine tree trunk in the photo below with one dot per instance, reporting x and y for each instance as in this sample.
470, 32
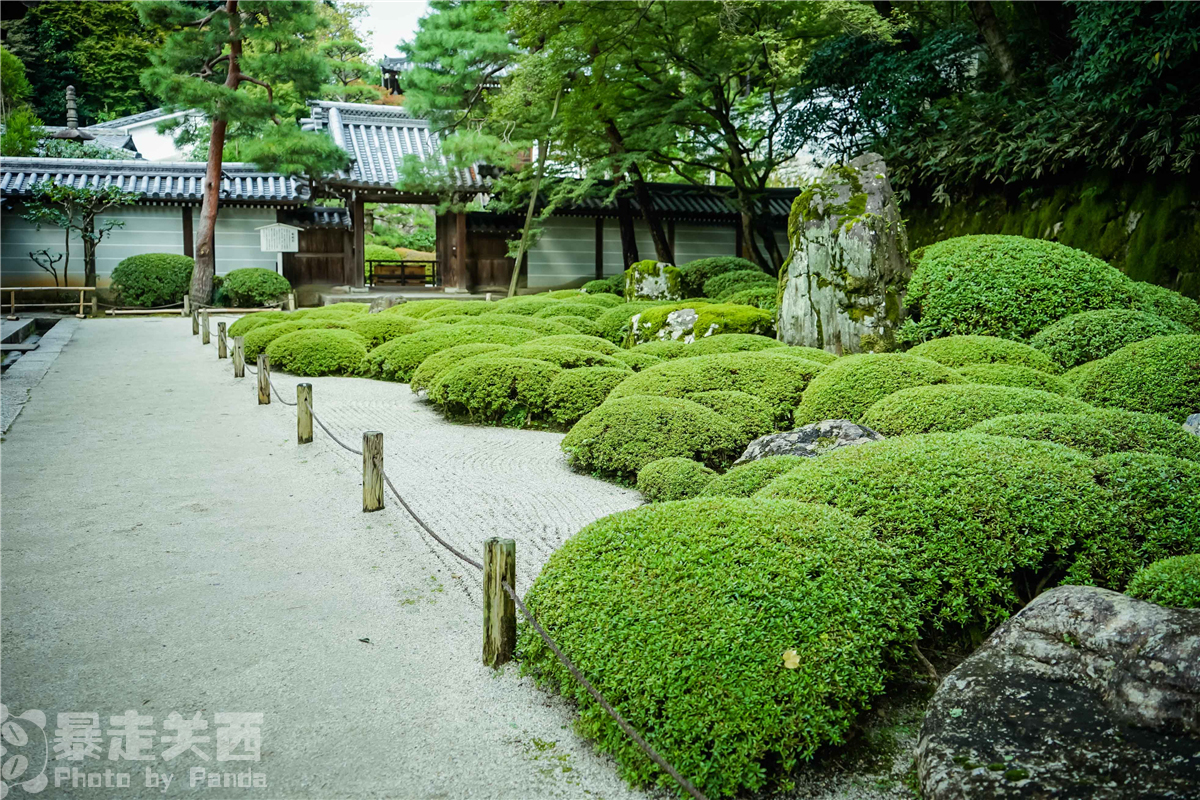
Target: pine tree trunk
629, 248
202, 273
993, 36
662, 246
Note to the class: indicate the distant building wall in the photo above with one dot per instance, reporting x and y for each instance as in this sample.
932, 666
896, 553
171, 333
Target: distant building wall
237, 240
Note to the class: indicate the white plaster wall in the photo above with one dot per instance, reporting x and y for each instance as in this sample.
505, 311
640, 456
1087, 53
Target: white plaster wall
565, 253
18, 238
237, 240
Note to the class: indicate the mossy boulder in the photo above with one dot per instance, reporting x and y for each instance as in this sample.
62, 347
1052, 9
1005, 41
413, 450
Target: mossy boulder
691, 323
615, 322
672, 479
959, 351
851, 385
1099, 432
1157, 375
946, 408
318, 351
1090, 335
495, 389
577, 392
653, 280
1172, 582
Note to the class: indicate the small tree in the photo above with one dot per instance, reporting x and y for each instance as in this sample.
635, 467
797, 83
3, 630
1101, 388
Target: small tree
75, 210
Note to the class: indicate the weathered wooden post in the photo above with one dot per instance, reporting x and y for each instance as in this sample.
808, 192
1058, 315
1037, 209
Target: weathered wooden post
187, 306
372, 471
239, 356
304, 413
204, 334
221, 352
499, 610
264, 379
195, 322
291, 301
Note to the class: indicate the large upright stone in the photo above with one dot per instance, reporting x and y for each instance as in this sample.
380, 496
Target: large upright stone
844, 282
653, 280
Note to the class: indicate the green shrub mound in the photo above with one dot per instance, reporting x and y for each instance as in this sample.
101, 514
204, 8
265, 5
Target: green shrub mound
849, 386
696, 273
258, 338
1018, 376
1173, 582
728, 283
443, 360
764, 297
335, 310
650, 323
670, 479
152, 279
802, 613
723, 318
543, 327
602, 299
525, 305
318, 351
492, 388
750, 416
636, 361
663, 348
582, 342
779, 382
418, 308
959, 351
978, 520
566, 357
749, 478
1163, 302
561, 294
1008, 286
1159, 375
577, 392
947, 408
467, 308
626, 433
1100, 432
614, 285
614, 323
571, 309
379, 328
799, 351
398, 359
254, 286
578, 324
1090, 335
249, 322
730, 343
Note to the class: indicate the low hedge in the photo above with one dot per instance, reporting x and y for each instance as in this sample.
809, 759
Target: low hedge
1090, 335
802, 614
492, 388
626, 433
663, 348
696, 273
728, 283
380, 328
959, 351
1159, 375
439, 362
850, 385
1172, 582
525, 305
571, 309
583, 342
418, 308
614, 323
336, 310
955, 407
561, 294
249, 322
467, 308
751, 417
764, 297
1162, 302
672, 479
542, 327
566, 357
614, 285
318, 351
254, 286
602, 299
152, 279
749, 478
730, 343
636, 361
1018, 376
1100, 432
258, 338
398, 359
579, 324
577, 392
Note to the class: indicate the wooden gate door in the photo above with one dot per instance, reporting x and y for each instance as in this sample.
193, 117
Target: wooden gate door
324, 257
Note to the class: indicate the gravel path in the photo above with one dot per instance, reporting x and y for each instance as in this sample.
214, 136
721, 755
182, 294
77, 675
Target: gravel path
167, 547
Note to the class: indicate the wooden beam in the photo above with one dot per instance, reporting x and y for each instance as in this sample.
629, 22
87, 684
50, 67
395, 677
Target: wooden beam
461, 278
600, 247
358, 215
189, 238
347, 255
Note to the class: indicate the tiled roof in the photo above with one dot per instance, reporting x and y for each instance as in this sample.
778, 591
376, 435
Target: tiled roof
685, 201
317, 217
133, 119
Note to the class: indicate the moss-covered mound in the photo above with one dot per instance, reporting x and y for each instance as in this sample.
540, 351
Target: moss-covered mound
636, 361
1172, 582
801, 614
850, 385
1013, 375
318, 352
579, 324
1163, 302
336, 310
978, 520
672, 479
439, 362
244, 325
566, 357
526, 305
1090, 335
696, 273
721, 286
582, 342
626, 433
959, 351
1159, 375
565, 309
764, 297
398, 359
380, 328
730, 343
419, 308
602, 299
464, 308
955, 407
253, 286
1099, 432
614, 323
257, 339
747, 479
491, 388
1008, 286
751, 417
663, 348
577, 392
542, 327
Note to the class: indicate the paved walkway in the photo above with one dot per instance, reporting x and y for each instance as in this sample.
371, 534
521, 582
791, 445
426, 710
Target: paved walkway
168, 548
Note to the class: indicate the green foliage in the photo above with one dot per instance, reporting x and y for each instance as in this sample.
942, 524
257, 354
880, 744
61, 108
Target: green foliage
745, 480
378, 252
764, 297
249, 322
626, 433
380, 328
581, 324
1090, 335
22, 131
1159, 375
1014, 375
729, 343
409, 227
851, 385
802, 353
1167, 304
1099, 432
564, 356
1173, 582
602, 299
636, 361
801, 617
152, 279
567, 309
672, 479
614, 323
398, 359
75, 209
318, 352
959, 351
697, 273
947, 408
653, 280
720, 286
14, 86
337, 310
750, 416
614, 285
254, 286
663, 348
582, 342
576, 392
543, 327
526, 305
259, 337
418, 308
469, 308
441, 361
491, 388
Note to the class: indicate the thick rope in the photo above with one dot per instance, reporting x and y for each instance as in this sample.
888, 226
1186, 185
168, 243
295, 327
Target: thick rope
278, 396
331, 434
427, 529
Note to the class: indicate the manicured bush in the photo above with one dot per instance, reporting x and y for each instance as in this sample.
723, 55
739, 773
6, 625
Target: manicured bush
626, 433
318, 351
336, 310
378, 252
469, 308
1008, 286
380, 328
747, 479
614, 285
1090, 335
491, 388
799, 351
249, 322
636, 361
614, 323
750, 416
566, 357
801, 615
443, 360
571, 309
582, 342
728, 283
851, 385
1015, 375
562, 294
1163, 302
730, 343
959, 351
543, 327
576, 392
258, 338
1099, 432
1172, 582
663, 348
696, 273
978, 520
152, 279
1159, 375
254, 286
670, 479
526, 305
764, 297
418, 308
955, 407
579, 324
398, 359
602, 299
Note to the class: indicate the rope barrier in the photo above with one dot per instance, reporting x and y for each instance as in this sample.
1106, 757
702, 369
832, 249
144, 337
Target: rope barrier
331, 434
279, 397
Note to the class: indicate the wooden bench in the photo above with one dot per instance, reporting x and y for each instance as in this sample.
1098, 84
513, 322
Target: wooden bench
403, 272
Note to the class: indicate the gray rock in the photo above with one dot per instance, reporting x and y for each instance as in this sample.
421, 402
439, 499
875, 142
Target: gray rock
845, 278
810, 440
1085, 693
1192, 424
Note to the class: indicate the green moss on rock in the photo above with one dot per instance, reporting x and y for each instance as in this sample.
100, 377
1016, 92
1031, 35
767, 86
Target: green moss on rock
653, 280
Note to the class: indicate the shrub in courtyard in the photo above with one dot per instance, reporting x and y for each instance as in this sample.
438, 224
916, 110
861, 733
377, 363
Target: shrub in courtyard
572, 309
1159, 375
582, 342
492, 388
258, 338
526, 305
614, 285
439, 362
955, 407
1100, 432
959, 351
561, 294
398, 359
1013, 375
249, 322
152, 279
672, 479
543, 327
1163, 302
799, 351
468, 308
730, 343
750, 416
576, 392
614, 323
602, 299
318, 351
747, 479
626, 433
1172, 582
582, 325
380, 328
566, 357
254, 286
763, 297
801, 617
1090, 335
636, 361
336, 310
418, 308
850, 385
696, 273
662, 348
719, 286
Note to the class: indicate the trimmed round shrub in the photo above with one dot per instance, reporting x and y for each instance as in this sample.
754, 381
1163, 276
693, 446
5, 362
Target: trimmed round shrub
672, 479
318, 352
959, 351
566, 357
955, 407
593, 343
663, 348
543, 327
258, 338
626, 433
750, 416
1018, 376
468, 308
491, 388
849, 386
1172, 582
799, 351
614, 285
418, 308
696, 273
728, 283
571, 309
1159, 375
602, 299
764, 297
378, 252
636, 361
398, 359
152, 279
801, 617
243, 325
254, 286
1008, 286
1099, 432
747, 479
526, 305
614, 323
443, 360
561, 294
1090, 335
1163, 302
579, 324
377, 328
336, 310
978, 520
576, 392
730, 343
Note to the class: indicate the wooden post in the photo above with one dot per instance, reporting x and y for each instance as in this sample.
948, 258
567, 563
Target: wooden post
461, 279
291, 301
195, 322
80, 314
303, 413
372, 471
264, 379
221, 352
239, 356
95, 305
204, 334
187, 305
499, 610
